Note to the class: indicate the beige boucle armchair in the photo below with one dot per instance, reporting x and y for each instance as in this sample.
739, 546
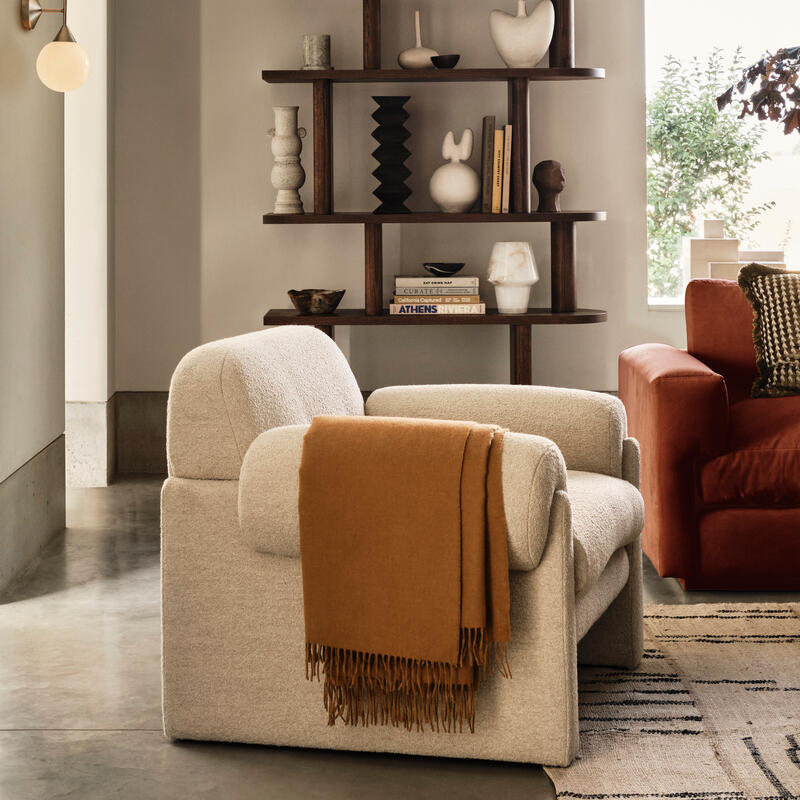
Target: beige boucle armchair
233, 638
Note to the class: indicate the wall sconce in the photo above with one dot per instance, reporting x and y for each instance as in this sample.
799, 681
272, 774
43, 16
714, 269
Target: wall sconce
62, 65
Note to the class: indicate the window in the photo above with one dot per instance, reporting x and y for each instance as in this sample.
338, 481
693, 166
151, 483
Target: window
704, 164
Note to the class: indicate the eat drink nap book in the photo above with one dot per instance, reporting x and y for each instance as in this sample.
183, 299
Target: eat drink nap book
411, 309
462, 281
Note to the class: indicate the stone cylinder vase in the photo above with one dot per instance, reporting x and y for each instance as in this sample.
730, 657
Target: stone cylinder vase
287, 173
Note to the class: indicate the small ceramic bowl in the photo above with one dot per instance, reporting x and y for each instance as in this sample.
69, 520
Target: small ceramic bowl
445, 62
443, 269
316, 301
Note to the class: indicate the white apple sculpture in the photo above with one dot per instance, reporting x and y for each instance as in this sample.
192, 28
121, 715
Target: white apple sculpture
522, 41
456, 186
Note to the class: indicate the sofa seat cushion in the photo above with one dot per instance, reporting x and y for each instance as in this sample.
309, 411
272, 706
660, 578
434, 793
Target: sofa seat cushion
762, 465
607, 513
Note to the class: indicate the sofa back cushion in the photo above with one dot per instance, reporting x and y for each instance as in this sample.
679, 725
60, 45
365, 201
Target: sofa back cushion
224, 394
719, 332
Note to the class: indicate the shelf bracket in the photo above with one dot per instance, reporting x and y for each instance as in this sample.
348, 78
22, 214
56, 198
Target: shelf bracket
373, 268
521, 355
562, 49
562, 267
323, 147
372, 34
519, 116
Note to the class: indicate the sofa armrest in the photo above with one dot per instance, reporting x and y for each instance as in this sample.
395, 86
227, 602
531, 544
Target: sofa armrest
533, 471
588, 427
678, 410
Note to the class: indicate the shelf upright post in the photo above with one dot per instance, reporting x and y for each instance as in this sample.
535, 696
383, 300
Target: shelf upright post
372, 34
373, 268
519, 115
323, 147
521, 354
562, 49
562, 267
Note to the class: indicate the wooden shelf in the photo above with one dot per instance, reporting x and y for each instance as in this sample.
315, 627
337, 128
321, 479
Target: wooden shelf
358, 316
427, 217
431, 75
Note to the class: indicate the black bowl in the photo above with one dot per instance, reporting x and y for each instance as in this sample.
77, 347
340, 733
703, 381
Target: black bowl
316, 301
443, 269
445, 62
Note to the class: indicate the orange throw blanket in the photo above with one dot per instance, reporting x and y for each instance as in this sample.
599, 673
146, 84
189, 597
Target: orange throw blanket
405, 567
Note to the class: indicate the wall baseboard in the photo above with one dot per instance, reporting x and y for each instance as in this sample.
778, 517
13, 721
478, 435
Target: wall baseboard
90, 444
32, 510
140, 420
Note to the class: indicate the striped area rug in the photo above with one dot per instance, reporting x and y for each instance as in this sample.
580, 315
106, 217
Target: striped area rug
713, 713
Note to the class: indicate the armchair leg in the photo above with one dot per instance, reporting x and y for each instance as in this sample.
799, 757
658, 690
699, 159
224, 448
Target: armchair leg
615, 640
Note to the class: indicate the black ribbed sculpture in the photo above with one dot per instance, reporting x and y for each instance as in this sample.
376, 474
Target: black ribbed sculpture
391, 154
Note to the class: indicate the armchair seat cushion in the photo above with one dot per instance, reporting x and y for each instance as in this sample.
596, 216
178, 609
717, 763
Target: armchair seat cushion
762, 465
607, 514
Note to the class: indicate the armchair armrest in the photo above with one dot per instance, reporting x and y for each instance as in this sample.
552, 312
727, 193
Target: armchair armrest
588, 427
533, 471
678, 410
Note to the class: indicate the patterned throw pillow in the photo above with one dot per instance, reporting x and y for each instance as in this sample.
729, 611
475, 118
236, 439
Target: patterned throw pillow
775, 297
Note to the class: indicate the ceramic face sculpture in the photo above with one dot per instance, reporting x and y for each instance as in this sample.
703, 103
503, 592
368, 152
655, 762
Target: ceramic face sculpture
549, 179
455, 187
523, 40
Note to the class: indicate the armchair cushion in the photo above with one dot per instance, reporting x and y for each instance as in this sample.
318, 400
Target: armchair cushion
762, 466
533, 471
607, 514
588, 427
226, 393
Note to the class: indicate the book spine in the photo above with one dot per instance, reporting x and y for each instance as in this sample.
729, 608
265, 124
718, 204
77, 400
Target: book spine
441, 298
497, 172
507, 170
436, 308
452, 283
487, 160
423, 291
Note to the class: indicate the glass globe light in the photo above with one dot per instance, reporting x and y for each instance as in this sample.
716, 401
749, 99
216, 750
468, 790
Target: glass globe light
63, 65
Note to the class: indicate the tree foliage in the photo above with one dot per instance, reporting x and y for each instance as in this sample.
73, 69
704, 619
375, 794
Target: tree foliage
700, 163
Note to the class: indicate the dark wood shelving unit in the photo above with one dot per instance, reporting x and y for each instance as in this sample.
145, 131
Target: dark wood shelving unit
564, 310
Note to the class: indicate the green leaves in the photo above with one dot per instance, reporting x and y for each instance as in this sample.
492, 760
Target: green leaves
699, 162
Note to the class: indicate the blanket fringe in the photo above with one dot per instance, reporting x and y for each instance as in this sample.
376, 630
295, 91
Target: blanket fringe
373, 689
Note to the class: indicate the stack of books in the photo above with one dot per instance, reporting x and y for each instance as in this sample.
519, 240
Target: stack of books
428, 295
496, 167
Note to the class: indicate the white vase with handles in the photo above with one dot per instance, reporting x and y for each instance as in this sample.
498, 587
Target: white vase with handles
523, 40
456, 186
287, 173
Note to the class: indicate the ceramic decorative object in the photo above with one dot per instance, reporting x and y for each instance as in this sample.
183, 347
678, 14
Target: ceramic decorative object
445, 62
287, 174
549, 178
316, 51
418, 57
316, 301
523, 40
443, 269
455, 187
391, 154
512, 270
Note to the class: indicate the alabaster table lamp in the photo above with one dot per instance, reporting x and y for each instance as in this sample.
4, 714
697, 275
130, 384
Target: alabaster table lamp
512, 270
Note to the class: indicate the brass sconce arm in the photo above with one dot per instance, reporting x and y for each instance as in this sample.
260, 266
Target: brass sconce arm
31, 10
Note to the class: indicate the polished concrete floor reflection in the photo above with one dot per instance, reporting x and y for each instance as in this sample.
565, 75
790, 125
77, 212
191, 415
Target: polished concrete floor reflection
80, 693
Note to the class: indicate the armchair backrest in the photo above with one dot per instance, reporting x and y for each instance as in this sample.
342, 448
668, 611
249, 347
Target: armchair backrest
719, 332
224, 394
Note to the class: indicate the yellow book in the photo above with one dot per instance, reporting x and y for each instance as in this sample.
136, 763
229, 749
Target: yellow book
497, 172
507, 171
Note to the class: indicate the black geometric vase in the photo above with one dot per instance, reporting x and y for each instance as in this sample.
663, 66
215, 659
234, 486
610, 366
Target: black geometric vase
391, 155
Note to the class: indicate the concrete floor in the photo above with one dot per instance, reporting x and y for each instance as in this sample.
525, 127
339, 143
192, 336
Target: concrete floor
80, 693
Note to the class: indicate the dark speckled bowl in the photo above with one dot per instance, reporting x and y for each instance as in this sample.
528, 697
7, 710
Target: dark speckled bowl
316, 301
443, 269
446, 62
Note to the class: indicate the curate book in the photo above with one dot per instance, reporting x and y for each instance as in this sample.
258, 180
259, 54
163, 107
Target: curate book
462, 281
425, 291
437, 308
441, 298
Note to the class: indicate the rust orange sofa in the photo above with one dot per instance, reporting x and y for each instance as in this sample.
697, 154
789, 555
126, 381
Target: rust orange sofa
720, 470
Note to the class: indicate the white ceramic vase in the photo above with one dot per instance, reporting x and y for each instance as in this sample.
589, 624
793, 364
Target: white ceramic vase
456, 186
287, 173
522, 41
418, 57
512, 270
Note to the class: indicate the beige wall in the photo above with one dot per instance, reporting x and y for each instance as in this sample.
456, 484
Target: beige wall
31, 249
195, 263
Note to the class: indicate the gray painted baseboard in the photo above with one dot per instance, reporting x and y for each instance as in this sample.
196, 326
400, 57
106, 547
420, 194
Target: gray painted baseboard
90, 433
31, 510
